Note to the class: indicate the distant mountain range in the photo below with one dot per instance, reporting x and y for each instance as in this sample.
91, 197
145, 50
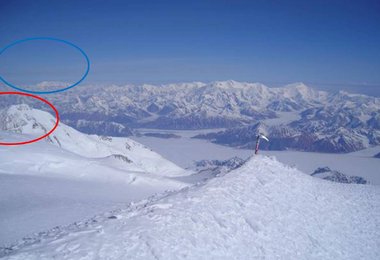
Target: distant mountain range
294, 116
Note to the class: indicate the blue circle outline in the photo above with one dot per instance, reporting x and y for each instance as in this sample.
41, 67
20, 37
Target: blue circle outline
49, 39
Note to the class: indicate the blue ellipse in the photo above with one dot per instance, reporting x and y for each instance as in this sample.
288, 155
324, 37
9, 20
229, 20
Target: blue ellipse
49, 39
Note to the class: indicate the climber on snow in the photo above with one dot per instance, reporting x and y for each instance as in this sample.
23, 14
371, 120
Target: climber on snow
260, 136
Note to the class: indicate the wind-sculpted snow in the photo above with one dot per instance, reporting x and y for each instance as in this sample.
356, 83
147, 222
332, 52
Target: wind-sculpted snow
263, 210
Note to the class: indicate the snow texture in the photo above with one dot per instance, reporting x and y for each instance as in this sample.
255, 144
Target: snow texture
263, 210
70, 176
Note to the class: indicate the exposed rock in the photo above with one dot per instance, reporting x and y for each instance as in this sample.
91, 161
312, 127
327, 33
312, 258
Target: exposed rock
327, 174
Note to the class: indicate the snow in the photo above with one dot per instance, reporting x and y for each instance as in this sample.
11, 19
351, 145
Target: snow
42, 185
30, 204
263, 210
282, 119
70, 176
353, 164
184, 151
33, 122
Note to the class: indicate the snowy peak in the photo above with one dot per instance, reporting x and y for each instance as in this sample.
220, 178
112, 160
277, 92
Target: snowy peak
185, 105
26, 120
299, 89
258, 211
111, 110
126, 153
232, 84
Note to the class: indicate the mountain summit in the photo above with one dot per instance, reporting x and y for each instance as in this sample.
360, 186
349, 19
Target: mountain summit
261, 210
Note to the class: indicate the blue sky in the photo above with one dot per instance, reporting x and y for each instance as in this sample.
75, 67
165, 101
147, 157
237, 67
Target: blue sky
331, 43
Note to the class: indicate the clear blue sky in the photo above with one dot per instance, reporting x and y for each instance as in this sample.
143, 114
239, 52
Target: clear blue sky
334, 42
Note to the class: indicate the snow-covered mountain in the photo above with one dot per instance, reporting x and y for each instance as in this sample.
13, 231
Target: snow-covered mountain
185, 105
123, 152
262, 210
283, 137
69, 175
331, 122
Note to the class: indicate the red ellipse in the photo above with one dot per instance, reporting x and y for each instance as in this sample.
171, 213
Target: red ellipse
43, 100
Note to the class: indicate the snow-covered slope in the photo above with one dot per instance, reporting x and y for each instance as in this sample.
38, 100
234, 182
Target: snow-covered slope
134, 156
69, 175
42, 186
263, 210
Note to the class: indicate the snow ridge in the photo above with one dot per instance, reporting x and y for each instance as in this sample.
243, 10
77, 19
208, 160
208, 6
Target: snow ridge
22, 119
262, 210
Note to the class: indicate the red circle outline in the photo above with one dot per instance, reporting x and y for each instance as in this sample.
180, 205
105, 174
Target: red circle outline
46, 102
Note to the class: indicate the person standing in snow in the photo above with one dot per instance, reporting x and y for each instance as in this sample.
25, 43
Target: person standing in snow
259, 136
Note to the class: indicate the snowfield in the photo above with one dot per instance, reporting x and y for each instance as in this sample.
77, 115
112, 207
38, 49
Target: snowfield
28, 121
70, 176
263, 210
